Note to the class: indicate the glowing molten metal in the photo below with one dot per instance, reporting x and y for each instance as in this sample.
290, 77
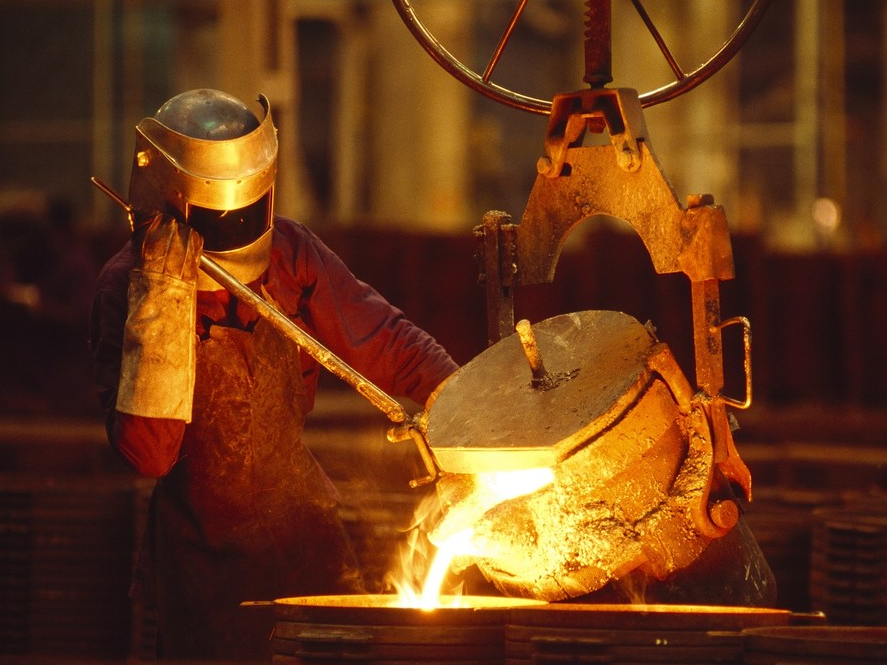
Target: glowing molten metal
453, 535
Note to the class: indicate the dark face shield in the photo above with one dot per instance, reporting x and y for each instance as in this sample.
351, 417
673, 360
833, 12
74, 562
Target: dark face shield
225, 230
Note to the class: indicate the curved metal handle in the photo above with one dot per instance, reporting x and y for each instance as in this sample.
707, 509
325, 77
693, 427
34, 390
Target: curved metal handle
410, 430
746, 343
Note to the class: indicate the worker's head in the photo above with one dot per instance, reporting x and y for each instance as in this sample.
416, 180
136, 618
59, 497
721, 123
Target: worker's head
208, 160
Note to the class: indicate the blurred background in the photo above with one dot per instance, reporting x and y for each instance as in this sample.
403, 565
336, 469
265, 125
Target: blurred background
393, 163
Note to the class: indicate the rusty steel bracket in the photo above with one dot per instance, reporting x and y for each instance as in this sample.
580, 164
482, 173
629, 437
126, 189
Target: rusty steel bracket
707, 448
496, 270
617, 110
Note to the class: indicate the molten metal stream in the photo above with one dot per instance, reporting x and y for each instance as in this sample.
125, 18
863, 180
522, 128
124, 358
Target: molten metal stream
492, 488
458, 543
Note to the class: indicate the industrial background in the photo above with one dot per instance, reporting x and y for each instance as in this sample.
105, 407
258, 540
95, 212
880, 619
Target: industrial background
392, 163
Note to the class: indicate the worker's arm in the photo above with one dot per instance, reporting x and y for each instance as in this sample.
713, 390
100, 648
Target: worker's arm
355, 322
143, 340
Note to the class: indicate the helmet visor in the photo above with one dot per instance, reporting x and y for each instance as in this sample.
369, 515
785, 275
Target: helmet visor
224, 230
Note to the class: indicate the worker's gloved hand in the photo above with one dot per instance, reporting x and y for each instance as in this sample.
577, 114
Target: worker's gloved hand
159, 339
401, 432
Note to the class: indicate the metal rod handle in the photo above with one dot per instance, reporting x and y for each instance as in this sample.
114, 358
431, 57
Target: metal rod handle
387, 404
531, 349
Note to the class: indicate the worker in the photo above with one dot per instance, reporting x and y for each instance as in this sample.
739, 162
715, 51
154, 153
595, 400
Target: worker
208, 398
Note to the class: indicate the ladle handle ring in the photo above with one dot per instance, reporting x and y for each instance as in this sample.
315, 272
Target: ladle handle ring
746, 344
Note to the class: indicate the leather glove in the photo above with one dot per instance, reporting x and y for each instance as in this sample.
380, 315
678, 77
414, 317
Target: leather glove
159, 339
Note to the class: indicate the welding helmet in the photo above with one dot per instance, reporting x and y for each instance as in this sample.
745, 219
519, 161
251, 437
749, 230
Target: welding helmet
208, 160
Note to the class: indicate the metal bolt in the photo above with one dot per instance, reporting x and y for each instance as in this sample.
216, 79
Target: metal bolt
725, 514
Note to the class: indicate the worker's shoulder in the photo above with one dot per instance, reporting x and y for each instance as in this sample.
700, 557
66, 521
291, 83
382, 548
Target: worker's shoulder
296, 239
291, 229
114, 275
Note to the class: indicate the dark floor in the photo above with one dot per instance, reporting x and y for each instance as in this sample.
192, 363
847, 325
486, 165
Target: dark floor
69, 512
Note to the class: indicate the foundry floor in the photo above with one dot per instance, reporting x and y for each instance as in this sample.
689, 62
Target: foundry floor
801, 459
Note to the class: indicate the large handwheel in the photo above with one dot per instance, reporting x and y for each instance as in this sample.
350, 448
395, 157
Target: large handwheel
684, 81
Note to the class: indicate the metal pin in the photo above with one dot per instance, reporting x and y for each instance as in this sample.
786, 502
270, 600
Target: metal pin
542, 378
531, 350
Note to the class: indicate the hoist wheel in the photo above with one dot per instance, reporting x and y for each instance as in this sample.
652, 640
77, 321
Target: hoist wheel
482, 83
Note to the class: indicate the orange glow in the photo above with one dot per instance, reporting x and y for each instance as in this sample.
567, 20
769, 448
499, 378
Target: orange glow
489, 490
420, 583
458, 543
506, 485
423, 566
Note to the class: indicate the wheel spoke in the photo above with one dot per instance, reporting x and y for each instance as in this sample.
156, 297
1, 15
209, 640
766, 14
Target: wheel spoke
488, 72
660, 42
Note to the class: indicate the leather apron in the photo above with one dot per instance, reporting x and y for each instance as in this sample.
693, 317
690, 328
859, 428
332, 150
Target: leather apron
247, 513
